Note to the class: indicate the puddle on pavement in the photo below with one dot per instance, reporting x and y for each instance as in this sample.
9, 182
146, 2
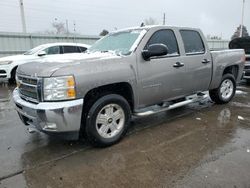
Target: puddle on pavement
158, 151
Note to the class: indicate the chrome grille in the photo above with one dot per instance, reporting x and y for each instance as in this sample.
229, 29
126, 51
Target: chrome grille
28, 88
247, 67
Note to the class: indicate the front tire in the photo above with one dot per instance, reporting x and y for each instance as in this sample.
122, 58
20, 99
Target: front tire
12, 79
107, 120
226, 90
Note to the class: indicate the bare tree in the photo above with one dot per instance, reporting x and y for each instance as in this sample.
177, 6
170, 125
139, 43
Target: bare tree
59, 27
150, 21
104, 32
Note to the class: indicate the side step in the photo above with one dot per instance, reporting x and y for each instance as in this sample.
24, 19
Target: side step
157, 109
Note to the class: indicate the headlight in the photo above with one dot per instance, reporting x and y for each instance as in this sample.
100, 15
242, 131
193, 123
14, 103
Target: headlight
59, 88
5, 62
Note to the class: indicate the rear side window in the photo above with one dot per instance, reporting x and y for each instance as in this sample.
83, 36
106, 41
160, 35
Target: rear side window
70, 49
166, 37
192, 42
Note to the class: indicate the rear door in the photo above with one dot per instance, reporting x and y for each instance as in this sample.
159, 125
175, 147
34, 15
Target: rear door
197, 60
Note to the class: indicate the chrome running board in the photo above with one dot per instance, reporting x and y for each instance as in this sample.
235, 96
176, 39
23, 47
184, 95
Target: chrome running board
157, 109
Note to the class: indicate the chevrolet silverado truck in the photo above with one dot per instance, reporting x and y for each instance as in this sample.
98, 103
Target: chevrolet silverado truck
131, 72
243, 43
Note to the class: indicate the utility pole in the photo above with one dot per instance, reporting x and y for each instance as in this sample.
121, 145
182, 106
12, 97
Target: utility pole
22, 16
242, 20
74, 31
164, 19
67, 27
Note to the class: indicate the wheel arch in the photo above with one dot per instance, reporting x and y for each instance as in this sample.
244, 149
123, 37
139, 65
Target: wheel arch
121, 88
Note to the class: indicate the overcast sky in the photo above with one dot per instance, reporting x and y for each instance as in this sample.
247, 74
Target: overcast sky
215, 17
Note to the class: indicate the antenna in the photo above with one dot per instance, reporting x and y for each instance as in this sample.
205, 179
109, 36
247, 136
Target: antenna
164, 19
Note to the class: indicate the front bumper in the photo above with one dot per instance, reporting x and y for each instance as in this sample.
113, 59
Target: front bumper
51, 117
247, 71
5, 71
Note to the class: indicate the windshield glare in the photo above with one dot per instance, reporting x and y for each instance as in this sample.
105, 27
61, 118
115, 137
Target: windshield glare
33, 51
120, 42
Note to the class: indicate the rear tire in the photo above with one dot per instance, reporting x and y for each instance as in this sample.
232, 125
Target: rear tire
226, 91
107, 120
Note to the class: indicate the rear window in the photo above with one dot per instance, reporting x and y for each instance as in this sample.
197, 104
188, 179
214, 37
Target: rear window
70, 49
192, 42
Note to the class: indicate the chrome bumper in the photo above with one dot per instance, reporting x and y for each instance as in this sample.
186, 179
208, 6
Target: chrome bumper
50, 117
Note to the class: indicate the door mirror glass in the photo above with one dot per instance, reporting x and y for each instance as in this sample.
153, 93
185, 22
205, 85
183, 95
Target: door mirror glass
41, 53
154, 50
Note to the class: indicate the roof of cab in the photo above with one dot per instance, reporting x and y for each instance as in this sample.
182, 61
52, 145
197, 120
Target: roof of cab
147, 27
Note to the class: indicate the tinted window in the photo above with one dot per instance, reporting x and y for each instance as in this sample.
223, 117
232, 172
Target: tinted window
52, 50
166, 37
70, 49
192, 42
82, 49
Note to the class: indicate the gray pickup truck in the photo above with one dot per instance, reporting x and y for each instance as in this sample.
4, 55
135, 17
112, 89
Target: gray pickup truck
132, 72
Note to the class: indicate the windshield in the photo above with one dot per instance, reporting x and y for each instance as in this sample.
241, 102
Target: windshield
121, 42
34, 50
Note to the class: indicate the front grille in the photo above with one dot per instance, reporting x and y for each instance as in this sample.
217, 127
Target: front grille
2, 72
247, 67
247, 74
28, 88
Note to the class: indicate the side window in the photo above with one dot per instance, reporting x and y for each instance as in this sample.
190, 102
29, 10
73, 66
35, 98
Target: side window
166, 37
52, 50
192, 42
82, 49
70, 49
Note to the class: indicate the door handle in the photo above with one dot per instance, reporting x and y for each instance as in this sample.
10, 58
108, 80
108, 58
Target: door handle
205, 61
178, 64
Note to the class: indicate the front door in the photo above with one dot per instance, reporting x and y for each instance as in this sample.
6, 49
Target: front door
161, 78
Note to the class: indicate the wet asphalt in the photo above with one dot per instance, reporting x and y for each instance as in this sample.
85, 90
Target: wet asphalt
200, 145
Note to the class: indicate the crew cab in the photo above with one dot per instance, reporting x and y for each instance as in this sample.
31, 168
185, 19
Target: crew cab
131, 72
9, 64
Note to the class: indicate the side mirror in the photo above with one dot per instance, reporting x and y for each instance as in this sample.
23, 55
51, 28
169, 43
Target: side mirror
154, 50
42, 53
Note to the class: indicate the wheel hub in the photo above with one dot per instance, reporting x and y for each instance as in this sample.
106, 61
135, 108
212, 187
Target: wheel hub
227, 89
110, 120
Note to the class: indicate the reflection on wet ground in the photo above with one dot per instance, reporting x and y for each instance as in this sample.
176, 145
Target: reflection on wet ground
201, 145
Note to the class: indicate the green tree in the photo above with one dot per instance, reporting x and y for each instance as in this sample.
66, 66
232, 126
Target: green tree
238, 30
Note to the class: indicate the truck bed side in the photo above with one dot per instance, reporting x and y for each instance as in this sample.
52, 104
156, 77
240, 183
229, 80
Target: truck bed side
222, 60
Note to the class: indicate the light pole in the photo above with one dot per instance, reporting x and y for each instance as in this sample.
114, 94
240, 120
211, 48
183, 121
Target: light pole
22, 16
242, 20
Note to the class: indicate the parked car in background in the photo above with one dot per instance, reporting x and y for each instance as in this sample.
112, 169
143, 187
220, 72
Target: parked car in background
243, 43
8, 65
137, 71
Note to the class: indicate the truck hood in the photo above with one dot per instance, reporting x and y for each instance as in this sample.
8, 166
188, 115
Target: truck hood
46, 67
